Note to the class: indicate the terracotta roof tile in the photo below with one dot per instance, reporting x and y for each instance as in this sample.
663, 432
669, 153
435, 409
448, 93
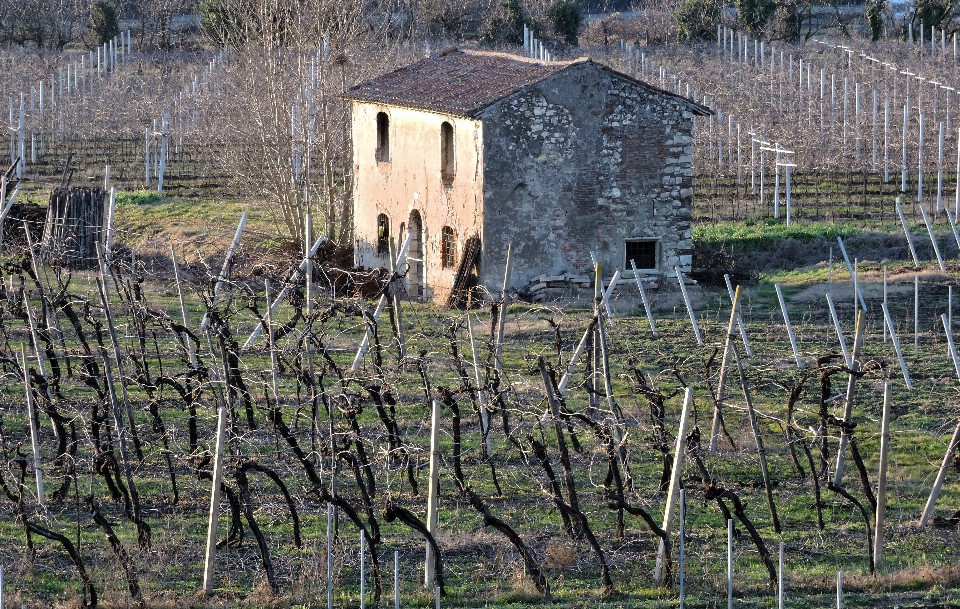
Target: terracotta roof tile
456, 81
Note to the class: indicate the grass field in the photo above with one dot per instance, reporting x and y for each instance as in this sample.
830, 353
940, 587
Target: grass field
481, 567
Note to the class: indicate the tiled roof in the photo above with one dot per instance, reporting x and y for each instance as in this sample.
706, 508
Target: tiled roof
464, 82
456, 81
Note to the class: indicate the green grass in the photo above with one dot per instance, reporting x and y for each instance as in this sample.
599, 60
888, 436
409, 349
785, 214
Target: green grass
751, 236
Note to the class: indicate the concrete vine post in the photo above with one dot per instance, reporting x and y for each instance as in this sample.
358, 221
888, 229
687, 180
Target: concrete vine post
34, 436
191, 348
381, 305
225, 270
433, 494
941, 476
882, 476
951, 446
395, 303
481, 395
211, 548
502, 311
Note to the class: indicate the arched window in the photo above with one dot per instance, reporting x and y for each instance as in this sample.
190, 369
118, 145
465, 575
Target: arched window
383, 235
383, 137
448, 247
447, 165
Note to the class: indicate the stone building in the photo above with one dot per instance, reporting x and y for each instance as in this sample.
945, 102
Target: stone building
470, 151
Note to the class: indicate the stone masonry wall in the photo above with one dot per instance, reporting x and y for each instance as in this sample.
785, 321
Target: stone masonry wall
579, 163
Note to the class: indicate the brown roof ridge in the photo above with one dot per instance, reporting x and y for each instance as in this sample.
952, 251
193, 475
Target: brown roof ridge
523, 58
463, 82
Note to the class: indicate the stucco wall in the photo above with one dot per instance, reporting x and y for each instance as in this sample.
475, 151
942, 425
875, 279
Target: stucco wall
411, 181
577, 164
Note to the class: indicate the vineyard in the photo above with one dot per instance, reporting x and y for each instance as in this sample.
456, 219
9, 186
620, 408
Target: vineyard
792, 437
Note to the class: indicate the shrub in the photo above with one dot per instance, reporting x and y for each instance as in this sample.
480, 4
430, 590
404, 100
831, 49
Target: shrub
697, 20
754, 14
566, 18
104, 23
504, 25
874, 17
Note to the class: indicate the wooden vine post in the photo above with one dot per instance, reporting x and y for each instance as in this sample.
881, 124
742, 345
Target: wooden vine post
724, 364
211, 550
433, 494
673, 491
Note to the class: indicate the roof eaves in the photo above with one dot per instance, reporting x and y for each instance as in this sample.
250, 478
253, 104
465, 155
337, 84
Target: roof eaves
408, 106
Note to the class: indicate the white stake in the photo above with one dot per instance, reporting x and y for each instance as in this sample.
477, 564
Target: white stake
396, 579
956, 203
363, 573
906, 233
953, 226
434, 491
846, 259
886, 141
225, 270
916, 313
836, 325
283, 293
882, 477
786, 322
896, 346
674, 488
933, 239
502, 312
941, 476
608, 292
780, 590
730, 563
839, 589
214, 503
683, 533
686, 301
381, 305
108, 237
34, 436
848, 399
906, 125
940, 171
643, 297
330, 556
884, 300
920, 161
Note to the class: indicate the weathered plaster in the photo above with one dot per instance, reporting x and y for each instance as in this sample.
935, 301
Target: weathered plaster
411, 181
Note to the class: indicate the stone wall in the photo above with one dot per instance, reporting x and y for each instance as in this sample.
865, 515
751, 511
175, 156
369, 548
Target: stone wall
577, 164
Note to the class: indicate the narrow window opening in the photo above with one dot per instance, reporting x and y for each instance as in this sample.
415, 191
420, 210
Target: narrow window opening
447, 165
383, 137
643, 253
448, 247
383, 235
